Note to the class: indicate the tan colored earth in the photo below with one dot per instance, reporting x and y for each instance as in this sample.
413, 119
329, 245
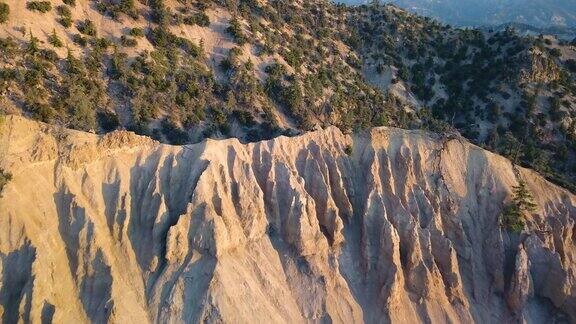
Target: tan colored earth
384, 226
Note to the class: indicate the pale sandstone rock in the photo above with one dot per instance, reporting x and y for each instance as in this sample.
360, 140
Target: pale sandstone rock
521, 287
120, 228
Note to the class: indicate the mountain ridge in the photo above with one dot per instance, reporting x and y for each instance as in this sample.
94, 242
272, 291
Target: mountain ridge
490, 12
181, 71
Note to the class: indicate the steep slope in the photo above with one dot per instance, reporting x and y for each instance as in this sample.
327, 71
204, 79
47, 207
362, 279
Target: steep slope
181, 71
383, 226
505, 92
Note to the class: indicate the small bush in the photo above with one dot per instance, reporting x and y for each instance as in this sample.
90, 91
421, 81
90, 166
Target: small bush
108, 121
114, 8
4, 12
235, 29
137, 32
348, 150
66, 22
65, 16
87, 27
128, 41
200, 19
103, 43
55, 40
78, 39
42, 6
244, 117
71, 3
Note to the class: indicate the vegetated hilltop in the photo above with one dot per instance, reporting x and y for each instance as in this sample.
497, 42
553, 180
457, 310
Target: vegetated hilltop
388, 225
181, 71
512, 94
184, 70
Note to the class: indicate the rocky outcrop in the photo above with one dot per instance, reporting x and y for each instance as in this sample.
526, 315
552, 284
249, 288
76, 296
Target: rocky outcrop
541, 68
384, 226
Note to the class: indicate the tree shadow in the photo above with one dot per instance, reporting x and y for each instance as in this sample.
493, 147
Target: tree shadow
17, 283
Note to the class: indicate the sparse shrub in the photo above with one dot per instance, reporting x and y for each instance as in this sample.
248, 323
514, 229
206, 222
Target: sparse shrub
128, 41
80, 40
348, 150
200, 19
244, 117
42, 6
555, 52
160, 13
71, 3
136, 32
103, 43
235, 29
4, 12
54, 39
87, 27
108, 121
114, 8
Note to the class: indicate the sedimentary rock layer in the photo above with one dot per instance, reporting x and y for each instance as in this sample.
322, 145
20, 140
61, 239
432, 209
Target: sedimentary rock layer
384, 226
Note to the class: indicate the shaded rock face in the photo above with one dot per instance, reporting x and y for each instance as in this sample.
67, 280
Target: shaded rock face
404, 229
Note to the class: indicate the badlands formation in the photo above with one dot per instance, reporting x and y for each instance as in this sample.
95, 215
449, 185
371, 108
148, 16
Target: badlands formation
384, 226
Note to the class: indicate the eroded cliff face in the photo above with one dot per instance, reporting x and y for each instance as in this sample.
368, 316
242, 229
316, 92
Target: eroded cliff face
405, 228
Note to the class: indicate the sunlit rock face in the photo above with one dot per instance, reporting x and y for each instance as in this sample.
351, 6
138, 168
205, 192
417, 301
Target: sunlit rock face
384, 226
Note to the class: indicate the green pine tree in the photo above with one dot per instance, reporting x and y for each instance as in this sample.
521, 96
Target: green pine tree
513, 216
523, 199
33, 46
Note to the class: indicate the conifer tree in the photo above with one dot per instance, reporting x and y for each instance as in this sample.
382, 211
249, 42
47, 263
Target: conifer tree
513, 216
523, 199
54, 39
33, 46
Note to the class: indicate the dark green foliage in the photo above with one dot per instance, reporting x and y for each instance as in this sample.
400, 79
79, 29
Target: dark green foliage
160, 13
4, 12
42, 6
174, 134
513, 216
294, 57
80, 40
114, 8
128, 41
244, 117
200, 19
108, 121
555, 52
137, 32
513, 219
65, 16
87, 28
71, 3
235, 29
348, 150
54, 39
